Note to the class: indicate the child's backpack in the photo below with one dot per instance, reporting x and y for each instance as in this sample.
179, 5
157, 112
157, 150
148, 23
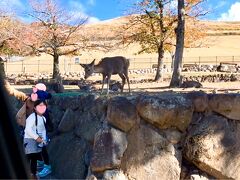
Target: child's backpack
24, 112
21, 115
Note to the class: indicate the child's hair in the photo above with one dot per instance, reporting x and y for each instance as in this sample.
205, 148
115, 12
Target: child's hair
39, 101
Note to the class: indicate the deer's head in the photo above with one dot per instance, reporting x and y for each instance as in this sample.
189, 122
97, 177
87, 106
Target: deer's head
88, 68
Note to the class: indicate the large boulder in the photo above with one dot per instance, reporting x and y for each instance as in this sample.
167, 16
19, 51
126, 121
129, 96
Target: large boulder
66, 153
166, 111
213, 146
121, 113
91, 118
199, 100
56, 114
150, 155
227, 105
88, 125
68, 121
65, 102
108, 149
74, 101
190, 171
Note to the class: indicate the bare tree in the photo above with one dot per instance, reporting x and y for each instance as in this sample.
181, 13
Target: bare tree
55, 32
8, 26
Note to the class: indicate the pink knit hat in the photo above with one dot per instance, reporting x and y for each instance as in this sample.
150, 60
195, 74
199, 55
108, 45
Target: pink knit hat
41, 86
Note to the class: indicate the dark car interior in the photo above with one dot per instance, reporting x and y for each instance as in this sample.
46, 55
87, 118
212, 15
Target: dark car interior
12, 159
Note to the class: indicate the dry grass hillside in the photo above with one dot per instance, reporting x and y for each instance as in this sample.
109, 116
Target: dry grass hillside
220, 44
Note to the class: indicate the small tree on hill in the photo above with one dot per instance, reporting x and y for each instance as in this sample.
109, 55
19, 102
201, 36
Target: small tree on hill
153, 28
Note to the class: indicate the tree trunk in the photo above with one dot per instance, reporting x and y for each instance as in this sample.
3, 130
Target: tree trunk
176, 76
56, 72
2, 70
160, 63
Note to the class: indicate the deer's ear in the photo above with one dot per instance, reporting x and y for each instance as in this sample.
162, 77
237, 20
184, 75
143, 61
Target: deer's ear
92, 63
83, 65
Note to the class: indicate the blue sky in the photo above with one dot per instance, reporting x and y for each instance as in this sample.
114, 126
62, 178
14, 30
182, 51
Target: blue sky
99, 10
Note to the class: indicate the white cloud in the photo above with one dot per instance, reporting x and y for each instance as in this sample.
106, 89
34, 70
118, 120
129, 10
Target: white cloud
78, 10
91, 2
92, 20
232, 14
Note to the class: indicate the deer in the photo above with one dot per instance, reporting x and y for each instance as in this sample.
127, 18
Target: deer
109, 66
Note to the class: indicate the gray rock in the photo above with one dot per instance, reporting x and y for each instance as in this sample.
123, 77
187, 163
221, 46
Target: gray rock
108, 149
114, 175
91, 118
56, 115
150, 156
88, 125
166, 111
121, 113
227, 105
68, 121
199, 100
173, 136
66, 154
64, 102
213, 146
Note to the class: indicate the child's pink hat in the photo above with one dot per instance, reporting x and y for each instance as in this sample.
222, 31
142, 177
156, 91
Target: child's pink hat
41, 86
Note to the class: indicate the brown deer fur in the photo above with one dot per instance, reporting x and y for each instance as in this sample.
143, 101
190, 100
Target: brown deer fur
109, 66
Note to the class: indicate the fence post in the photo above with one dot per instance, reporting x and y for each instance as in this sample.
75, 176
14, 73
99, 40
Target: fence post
22, 67
232, 58
150, 63
38, 65
134, 64
216, 60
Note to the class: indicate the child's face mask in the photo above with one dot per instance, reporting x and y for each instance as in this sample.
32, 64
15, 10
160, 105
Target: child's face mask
41, 108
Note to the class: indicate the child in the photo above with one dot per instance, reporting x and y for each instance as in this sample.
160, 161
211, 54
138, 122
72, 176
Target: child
39, 92
35, 134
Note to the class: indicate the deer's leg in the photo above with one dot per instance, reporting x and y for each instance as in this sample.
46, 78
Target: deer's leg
108, 82
104, 77
123, 80
126, 75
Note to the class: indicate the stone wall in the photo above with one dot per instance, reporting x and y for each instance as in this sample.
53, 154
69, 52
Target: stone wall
164, 136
